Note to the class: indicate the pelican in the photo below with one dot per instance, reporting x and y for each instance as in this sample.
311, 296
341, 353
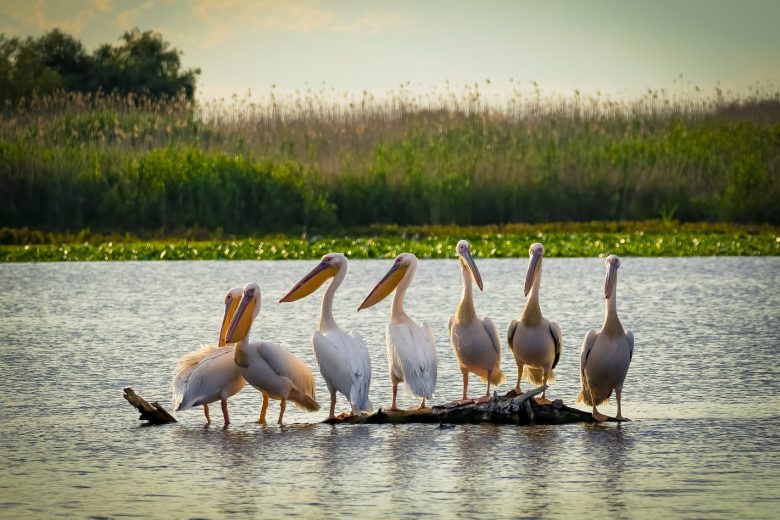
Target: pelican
342, 356
534, 340
209, 374
606, 353
268, 367
411, 349
474, 340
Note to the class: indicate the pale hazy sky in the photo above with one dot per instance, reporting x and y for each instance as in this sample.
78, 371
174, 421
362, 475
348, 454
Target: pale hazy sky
615, 46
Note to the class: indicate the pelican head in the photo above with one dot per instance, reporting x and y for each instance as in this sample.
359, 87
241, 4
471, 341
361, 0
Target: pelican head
386, 285
535, 252
248, 309
329, 266
232, 299
464, 253
612, 263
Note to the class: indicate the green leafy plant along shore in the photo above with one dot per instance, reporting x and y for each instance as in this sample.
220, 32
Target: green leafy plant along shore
560, 240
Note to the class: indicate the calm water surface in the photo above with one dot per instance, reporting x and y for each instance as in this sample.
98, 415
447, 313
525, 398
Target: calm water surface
702, 389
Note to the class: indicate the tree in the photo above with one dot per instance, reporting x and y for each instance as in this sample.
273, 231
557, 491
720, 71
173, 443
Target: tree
142, 63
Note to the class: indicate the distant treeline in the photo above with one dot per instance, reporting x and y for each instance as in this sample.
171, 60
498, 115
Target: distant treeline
285, 163
142, 63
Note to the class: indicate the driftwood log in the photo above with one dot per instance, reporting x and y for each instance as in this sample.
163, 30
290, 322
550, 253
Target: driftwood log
152, 413
508, 409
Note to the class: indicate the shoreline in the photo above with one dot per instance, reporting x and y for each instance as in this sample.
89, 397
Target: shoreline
488, 245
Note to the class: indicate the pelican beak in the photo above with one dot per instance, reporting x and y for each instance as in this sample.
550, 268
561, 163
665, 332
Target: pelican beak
242, 320
230, 311
611, 281
468, 260
385, 286
311, 282
533, 268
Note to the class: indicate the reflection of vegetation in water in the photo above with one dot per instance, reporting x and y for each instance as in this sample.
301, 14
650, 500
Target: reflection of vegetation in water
560, 240
314, 159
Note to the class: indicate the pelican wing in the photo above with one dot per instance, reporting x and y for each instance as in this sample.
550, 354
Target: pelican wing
492, 331
587, 346
414, 352
216, 372
285, 364
190, 360
555, 330
432, 360
333, 358
361, 371
630, 336
510, 332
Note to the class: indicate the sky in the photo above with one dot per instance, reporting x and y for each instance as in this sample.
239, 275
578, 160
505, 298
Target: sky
618, 47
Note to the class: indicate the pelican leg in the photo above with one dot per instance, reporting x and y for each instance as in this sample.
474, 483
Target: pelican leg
465, 399
261, 420
519, 376
282, 406
332, 405
422, 404
619, 415
542, 399
485, 398
206, 411
393, 407
225, 414
598, 417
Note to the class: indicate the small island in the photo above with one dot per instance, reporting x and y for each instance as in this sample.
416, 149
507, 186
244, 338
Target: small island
511, 408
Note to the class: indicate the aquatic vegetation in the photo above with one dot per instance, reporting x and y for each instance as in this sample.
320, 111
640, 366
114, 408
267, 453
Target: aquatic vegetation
569, 242
316, 160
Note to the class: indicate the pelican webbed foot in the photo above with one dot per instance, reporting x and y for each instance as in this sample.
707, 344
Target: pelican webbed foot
542, 400
461, 402
483, 399
598, 417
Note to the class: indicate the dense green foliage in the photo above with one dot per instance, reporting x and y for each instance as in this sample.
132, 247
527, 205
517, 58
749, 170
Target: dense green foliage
142, 63
560, 240
164, 188
311, 162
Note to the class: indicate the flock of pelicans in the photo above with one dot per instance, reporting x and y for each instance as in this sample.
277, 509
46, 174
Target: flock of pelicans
214, 373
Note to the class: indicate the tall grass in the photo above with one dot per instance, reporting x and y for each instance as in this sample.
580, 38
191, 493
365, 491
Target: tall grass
318, 159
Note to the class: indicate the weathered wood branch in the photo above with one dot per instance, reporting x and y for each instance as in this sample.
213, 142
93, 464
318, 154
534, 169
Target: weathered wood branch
153, 413
508, 409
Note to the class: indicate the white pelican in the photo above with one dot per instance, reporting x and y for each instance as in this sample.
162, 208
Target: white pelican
411, 349
268, 367
209, 374
474, 340
606, 353
534, 340
342, 356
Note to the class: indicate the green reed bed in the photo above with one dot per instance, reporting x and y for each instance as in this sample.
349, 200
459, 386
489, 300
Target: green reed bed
316, 160
485, 245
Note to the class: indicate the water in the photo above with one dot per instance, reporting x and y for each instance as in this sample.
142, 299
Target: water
702, 390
